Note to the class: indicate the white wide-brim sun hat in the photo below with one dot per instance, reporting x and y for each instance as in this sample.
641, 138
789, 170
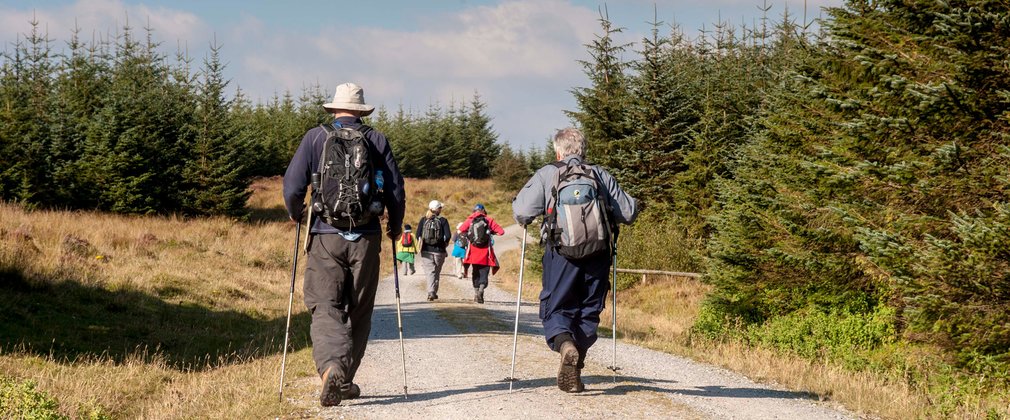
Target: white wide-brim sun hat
349, 96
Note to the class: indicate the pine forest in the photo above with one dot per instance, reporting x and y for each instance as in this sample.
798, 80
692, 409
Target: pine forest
843, 184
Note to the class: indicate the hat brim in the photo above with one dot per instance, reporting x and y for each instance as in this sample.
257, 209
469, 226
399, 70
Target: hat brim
365, 109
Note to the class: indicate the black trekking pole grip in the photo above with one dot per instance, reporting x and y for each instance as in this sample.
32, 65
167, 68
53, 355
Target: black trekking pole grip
399, 319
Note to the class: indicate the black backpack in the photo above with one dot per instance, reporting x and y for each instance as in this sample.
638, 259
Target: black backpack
344, 190
431, 231
479, 232
577, 219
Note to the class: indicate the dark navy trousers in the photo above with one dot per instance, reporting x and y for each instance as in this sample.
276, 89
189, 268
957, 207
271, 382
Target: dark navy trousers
574, 293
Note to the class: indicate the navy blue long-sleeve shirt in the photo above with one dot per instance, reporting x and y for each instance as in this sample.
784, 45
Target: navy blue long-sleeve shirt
306, 161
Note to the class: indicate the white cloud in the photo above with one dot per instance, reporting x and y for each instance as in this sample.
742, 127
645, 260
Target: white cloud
99, 18
515, 54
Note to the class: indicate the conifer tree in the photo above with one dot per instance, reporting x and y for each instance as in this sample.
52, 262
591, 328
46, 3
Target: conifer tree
131, 161
510, 170
27, 120
452, 143
876, 185
482, 144
82, 78
215, 173
663, 116
242, 116
404, 138
602, 107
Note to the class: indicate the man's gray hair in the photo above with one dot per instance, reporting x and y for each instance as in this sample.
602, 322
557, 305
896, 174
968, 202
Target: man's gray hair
570, 141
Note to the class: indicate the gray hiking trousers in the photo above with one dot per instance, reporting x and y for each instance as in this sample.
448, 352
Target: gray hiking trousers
340, 282
431, 264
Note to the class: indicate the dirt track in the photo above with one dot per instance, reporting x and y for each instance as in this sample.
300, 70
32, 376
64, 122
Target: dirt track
458, 356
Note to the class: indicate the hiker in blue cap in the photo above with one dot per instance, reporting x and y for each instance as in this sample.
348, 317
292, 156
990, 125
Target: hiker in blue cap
480, 257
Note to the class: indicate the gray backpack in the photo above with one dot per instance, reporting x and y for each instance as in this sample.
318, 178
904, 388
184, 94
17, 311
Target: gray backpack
479, 233
577, 219
431, 231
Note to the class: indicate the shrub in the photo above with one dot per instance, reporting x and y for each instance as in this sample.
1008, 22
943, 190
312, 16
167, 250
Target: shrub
21, 400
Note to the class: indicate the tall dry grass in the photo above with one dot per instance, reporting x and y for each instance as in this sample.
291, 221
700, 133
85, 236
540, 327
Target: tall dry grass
459, 196
166, 317
146, 316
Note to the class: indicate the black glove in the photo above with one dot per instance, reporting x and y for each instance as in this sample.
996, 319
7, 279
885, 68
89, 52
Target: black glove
301, 216
640, 205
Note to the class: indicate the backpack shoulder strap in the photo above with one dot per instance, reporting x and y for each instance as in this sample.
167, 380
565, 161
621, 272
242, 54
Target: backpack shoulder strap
364, 129
330, 132
329, 129
562, 172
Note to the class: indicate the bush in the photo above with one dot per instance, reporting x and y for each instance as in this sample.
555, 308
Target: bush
835, 335
21, 400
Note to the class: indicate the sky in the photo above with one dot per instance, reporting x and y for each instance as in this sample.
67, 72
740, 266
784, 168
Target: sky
520, 56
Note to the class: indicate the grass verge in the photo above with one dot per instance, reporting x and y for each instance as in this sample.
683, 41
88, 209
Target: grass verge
109, 316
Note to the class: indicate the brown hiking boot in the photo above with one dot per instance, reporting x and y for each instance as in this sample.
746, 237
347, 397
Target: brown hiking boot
568, 373
330, 395
579, 386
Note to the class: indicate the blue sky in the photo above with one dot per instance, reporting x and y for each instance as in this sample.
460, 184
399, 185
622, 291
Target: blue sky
519, 55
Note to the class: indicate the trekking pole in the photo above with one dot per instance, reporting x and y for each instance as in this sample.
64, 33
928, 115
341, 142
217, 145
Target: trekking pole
291, 298
613, 317
399, 321
519, 295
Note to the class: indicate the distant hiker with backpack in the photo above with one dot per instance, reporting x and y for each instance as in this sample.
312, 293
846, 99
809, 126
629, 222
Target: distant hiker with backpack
480, 257
433, 230
459, 244
581, 204
406, 248
354, 176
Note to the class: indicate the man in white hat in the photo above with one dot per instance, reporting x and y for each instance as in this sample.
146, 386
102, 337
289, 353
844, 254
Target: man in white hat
434, 234
343, 268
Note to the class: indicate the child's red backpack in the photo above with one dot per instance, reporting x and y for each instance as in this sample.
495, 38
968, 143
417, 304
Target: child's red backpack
407, 240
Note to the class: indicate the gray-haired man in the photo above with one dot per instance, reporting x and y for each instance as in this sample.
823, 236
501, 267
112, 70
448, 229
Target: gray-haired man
574, 290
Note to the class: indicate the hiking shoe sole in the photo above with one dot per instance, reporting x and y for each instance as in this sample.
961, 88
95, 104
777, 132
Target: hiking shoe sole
568, 375
330, 395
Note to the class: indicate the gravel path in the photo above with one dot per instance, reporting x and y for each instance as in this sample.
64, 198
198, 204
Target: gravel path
458, 356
